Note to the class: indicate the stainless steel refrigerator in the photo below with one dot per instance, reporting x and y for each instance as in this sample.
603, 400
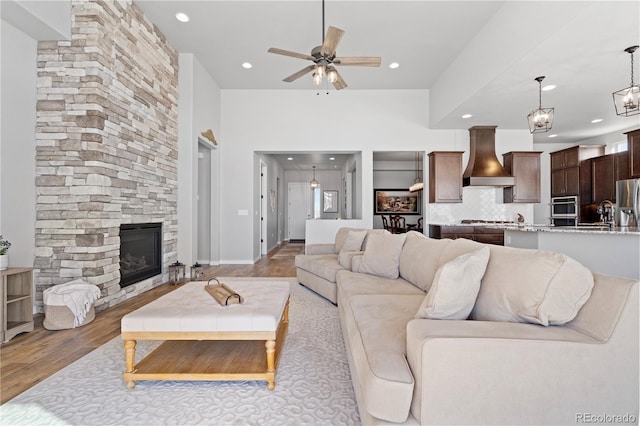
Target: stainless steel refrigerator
628, 202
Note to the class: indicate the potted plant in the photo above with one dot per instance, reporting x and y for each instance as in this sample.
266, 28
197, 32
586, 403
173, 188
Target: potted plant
4, 257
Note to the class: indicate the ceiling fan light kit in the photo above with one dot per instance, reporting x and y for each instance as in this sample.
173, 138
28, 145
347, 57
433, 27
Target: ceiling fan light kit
324, 59
540, 119
627, 100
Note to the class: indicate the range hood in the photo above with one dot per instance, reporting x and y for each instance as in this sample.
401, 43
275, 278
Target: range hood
483, 168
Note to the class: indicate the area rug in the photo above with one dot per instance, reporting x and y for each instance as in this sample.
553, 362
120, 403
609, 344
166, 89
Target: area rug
313, 385
288, 251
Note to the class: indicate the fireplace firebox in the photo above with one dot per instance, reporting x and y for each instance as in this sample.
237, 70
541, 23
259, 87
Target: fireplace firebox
140, 252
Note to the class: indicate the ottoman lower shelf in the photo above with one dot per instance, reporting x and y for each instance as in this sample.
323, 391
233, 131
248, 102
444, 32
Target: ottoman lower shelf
206, 360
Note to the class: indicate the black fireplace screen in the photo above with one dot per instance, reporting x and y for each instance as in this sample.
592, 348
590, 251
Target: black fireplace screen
140, 252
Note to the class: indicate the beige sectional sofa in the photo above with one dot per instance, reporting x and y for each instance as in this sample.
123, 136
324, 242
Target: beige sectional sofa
317, 268
504, 365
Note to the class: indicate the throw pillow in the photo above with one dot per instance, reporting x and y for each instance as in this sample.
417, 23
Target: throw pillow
455, 287
382, 255
534, 286
345, 258
354, 240
351, 246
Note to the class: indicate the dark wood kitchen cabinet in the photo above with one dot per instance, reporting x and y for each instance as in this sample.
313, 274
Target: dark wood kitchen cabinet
445, 177
524, 166
605, 171
565, 181
565, 168
633, 146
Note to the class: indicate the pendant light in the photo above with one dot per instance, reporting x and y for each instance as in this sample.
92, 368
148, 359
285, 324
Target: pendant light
541, 119
418, 185
314, 182
627, 101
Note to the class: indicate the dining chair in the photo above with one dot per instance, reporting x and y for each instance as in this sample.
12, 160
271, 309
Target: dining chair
386, 223
398, 225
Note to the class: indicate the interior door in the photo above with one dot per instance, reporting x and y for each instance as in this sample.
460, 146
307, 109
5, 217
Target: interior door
299, 209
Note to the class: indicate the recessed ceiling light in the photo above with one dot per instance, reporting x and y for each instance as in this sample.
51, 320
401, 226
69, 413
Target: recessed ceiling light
549, 87
289, 158
246, 65
332, 158
596, 120
182, 17
553, 136
467, 116
394, 65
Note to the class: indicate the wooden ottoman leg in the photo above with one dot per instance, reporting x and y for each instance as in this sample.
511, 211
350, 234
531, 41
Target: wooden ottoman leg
130, 354
271, 362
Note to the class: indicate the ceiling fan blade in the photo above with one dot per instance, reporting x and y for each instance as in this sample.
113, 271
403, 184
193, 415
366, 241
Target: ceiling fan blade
359, 61
290, 53
339, 84
297, 75
331, 41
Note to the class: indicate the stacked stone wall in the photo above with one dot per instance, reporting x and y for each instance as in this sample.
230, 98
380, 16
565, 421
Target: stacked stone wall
106, 146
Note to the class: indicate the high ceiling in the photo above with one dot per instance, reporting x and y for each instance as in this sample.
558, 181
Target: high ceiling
476, 57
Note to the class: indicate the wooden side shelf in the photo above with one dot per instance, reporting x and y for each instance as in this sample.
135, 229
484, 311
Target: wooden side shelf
16, 309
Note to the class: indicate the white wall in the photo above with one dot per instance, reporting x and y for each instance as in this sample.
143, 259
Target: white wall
198, 110
366, 121
17, 150
42, 20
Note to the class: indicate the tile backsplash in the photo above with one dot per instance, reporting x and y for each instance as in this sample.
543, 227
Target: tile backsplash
485, 203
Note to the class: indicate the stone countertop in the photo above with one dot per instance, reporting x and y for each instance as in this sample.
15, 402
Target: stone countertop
572, 229
588, 229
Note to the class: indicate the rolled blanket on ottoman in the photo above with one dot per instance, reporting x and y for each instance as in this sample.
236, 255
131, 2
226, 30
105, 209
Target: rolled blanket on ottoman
77, 296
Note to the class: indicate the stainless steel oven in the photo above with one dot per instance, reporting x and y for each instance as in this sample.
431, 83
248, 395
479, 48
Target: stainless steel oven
564, 211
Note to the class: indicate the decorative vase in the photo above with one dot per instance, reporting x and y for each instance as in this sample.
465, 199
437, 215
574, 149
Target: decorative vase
4, 261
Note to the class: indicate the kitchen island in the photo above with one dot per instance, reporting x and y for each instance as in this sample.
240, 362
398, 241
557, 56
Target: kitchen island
608, 251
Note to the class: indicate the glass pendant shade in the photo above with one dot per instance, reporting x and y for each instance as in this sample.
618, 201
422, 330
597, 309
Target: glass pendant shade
540, 119
317, 78
332, 75
314, 183
627, 100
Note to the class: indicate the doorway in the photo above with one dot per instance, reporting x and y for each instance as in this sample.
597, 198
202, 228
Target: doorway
204, 205
264, 244
299, 209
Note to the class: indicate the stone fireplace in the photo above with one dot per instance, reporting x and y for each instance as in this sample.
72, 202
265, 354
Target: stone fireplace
106, 148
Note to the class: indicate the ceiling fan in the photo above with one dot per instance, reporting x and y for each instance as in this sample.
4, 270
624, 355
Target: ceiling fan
324, 58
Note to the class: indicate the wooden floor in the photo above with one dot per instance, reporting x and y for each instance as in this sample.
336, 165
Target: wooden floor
29, 358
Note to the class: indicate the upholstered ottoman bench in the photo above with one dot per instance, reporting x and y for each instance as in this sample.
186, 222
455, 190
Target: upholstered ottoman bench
208, 341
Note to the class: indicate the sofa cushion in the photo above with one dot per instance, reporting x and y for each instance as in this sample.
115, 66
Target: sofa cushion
353, 283
419, 259
536, 286
322, 265
377, 338
455, 287
382, 255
